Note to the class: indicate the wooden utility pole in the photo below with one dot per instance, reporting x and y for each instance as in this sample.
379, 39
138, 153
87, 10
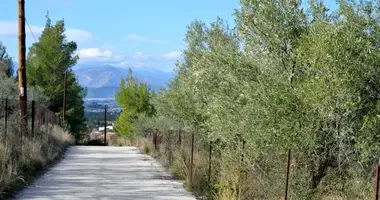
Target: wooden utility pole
21, 66
105, 125
64, 96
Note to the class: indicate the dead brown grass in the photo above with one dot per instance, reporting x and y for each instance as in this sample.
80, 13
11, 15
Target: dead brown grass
22, 160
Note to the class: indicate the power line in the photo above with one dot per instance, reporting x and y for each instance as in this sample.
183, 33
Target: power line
35, 39
27, 23
54, 68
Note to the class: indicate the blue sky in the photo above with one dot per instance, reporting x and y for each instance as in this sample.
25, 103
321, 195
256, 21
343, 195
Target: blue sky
143, 33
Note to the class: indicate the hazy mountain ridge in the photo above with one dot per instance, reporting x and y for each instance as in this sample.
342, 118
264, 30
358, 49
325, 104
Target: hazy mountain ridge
103, 81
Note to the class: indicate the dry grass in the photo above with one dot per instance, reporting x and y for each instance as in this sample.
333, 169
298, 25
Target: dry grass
124, 141
21, 161
177, 160
232, 181
142, 143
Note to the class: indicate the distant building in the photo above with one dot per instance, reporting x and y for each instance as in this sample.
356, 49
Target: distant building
109, 128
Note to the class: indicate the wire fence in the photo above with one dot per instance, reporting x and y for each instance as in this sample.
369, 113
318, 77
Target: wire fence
39, 117
283, 176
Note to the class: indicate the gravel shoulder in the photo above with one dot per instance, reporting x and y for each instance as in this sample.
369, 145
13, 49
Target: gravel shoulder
96, 172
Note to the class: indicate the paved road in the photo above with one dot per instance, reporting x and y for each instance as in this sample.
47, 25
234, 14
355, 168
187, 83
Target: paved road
106, 173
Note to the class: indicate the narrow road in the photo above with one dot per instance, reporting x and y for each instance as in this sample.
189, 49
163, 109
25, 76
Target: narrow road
106, 173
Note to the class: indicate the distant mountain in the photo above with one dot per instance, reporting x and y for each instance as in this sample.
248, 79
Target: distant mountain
100, 76
103, 81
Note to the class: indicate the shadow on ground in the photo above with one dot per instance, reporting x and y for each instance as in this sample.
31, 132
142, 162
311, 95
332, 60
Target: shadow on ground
96, 172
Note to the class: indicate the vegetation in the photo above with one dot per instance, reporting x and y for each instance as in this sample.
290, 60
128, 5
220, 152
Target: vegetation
23, 157
47, 61
134, 98
21, 163
283, 78
19, 166
6, 62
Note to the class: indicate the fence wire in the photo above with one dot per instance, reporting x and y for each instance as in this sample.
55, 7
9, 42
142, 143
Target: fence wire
208, 166
39, 117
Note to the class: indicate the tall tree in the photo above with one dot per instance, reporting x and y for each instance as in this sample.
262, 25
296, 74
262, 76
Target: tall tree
134, 97
47, 61
6, 62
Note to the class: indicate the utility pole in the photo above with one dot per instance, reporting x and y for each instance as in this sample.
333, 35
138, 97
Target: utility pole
105, 125
21, 66
64, 96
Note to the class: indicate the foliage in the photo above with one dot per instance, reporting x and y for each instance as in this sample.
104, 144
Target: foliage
6, 62
284, 78
8, 87
47, 61
134, 97
20, 166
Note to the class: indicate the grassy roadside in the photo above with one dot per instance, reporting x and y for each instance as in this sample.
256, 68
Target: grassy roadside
20, 165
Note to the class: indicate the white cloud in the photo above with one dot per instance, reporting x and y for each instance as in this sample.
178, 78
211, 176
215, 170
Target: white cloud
164, 62
173, 55
9, 29
139, 56
136, 37
94, 53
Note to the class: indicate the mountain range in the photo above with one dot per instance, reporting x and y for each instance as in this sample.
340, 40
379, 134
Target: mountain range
102, 81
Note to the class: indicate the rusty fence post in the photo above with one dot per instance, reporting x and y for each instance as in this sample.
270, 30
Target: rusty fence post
287, 176
377, 183
191, 159
170, 148
209, 163
155, 141
6, 117
179, 137
105, 125
33, 116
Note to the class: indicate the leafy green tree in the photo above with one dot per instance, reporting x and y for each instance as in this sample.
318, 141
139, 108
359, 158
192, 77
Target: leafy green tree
134, 97
6, 62
47, 61
285, 78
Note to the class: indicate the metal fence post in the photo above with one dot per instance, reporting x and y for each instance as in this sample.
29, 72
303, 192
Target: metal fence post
6, 117
170, 147
105, 125
155, 141
191, 159
33, 115
180, 137
377, 183
209, 163
287, 176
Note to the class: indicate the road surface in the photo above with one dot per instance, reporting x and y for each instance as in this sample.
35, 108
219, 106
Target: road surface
100, 173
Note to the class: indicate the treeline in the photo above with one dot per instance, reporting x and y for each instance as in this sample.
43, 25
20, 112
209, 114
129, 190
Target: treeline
47, 61
288, 76
24, 156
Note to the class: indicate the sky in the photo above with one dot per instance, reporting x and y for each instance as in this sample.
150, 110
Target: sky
124, 33
143, 33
